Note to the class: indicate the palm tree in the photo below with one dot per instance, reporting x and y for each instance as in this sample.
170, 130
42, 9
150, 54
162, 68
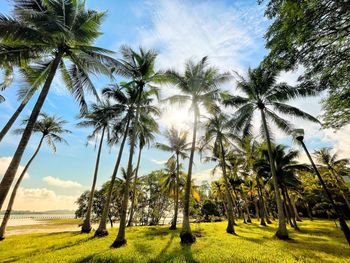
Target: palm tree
217, 136
125, 98
139, 68
262, 92
286, 171
146, 128
99, 117
199, 86
178, 146
54, 31
335, 167
51, 129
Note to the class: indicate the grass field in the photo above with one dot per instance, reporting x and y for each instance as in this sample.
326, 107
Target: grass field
318, 241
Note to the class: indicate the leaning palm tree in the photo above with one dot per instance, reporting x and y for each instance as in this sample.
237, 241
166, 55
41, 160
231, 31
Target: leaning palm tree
49, 33
139, 68
264, 94
217, 137
99, 117
146, 128
336, 168
51, 129
199, 86
178, 146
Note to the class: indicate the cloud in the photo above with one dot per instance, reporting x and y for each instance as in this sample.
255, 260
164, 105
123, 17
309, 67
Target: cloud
4, 164
159, 162
207, 175
181, 30
41, 199
54, 181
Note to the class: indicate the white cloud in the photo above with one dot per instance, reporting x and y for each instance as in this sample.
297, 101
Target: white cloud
4, 164
207, 175
41, 199
159, 162
54, 181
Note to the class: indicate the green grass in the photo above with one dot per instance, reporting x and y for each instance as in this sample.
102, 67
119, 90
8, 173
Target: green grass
318, 241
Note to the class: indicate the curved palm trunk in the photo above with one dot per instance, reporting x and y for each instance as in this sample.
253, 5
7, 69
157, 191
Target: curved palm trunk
230, 225
14, 191
282, 232
102, 228
176, 198
291, 210
134, 188
86, 227
297, 217
186, 235
14, 117
120, 240
11, 171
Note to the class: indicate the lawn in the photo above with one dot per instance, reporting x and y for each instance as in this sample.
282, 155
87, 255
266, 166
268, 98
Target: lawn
318, 241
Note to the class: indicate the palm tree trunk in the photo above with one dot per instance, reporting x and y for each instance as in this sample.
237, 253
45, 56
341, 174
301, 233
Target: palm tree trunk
11, 171
309, 211
176, 199
249, 219
86, 227
291, 210
282, 232
120, 240
186, 235
134, 188
261, 206
297, 217
14, 191
230, 224
14, 117
102, 228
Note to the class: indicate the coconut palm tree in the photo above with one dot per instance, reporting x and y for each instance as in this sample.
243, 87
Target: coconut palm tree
336, 168
99, 117
217, 136
50, 33
124, 98
286, 171
199, 87
146, 128
264, 94
138, 67
178, 146
51, 130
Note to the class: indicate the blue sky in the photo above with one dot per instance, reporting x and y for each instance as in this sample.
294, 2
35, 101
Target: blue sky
229, 32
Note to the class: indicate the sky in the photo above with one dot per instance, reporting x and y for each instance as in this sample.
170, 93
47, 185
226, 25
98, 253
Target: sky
230, 33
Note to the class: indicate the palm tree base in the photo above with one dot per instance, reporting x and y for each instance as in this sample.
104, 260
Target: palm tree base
119, 243
249, 220
2, 238
268, 221
187, 238
230, 231
172, 227
280, 235
85, 229
101, 233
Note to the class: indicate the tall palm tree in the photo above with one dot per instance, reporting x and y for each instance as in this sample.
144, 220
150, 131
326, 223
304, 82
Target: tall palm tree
263, 93
217, 136
99, 117
138, 67
178, 146
335, 167
125, 98
286, 170
199, 86
146, 128
51, 129
54, 32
